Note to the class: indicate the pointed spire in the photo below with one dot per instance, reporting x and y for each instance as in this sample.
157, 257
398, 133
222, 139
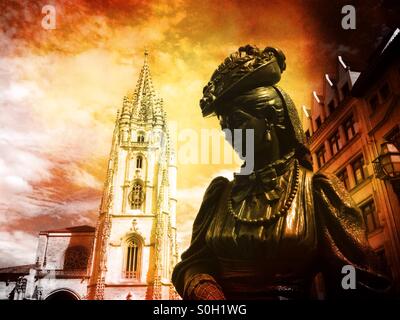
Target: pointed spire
145, 98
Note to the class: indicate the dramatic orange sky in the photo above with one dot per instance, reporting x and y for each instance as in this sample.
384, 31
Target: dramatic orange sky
60, 90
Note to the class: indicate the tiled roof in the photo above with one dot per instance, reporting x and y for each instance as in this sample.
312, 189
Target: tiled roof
77, 229
17, 269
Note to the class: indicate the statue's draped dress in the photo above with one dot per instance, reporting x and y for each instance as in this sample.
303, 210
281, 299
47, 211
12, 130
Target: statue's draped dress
320, 231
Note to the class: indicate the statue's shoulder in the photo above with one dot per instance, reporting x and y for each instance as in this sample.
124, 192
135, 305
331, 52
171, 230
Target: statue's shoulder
210, 200
321, 178
215, 188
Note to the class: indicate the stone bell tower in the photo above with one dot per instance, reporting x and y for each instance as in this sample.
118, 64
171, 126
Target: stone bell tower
135, 244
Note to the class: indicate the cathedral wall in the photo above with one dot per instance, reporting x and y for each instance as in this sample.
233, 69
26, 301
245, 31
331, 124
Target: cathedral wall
122, 227
41, 249
58, 244
121, 293
119, 181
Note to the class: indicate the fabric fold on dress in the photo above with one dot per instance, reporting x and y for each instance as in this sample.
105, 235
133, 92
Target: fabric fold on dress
343, 241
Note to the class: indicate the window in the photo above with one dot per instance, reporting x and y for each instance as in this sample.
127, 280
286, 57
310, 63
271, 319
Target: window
321, 156
394, 136
136, 197
382, 262
132, 259
140, 137
368, 212
331, 107
373, 102
139, 162
349, 129
344, 177
76, 258
307, 133
318, 122
358, 170
345, 90
334, 143
384, 91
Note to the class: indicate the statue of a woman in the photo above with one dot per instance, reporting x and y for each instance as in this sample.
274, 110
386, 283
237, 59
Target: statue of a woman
265, 235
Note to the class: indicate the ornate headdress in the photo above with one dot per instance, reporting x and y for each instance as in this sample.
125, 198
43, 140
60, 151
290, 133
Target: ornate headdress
245, 69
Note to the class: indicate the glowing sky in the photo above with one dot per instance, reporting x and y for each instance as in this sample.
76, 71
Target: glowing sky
60, 90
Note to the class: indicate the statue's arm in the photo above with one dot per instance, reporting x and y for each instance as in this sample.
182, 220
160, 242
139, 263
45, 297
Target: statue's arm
194, 276
343, 241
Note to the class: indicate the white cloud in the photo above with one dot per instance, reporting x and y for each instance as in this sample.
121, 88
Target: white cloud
224, 173
83, 178
16, 184
17, 248
77, 207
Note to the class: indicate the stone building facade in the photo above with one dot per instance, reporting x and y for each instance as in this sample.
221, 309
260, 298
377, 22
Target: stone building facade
345, 127
60, 271
135, 244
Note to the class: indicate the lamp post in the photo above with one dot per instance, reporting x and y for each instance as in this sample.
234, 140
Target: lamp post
387, 165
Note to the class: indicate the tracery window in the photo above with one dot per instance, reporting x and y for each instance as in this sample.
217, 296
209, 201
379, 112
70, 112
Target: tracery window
136, 196
76, 258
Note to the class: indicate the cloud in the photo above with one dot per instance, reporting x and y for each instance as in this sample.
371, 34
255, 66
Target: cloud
17, 248
189, 201
83, 178
16, 184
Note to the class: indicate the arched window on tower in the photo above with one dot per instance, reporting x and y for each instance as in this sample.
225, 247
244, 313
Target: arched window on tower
139, 162
136, 196
132, 263
140, 137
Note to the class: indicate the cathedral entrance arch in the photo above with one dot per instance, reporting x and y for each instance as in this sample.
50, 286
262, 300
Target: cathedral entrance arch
62, 294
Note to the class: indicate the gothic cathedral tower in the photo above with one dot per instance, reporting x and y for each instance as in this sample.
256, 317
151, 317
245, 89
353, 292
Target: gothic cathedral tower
135, 246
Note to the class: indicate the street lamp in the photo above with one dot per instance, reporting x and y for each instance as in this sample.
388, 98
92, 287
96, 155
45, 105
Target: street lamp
387, 165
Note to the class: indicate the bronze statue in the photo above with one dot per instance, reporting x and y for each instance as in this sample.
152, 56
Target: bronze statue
265, 235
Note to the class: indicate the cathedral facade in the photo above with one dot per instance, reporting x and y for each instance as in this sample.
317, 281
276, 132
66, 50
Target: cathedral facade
135, 243
132, 252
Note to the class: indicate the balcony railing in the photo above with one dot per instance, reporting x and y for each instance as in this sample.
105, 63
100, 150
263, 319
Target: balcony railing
135, 144
61, 273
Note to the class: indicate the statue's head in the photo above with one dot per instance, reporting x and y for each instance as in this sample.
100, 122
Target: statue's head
245, 69
243, 95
